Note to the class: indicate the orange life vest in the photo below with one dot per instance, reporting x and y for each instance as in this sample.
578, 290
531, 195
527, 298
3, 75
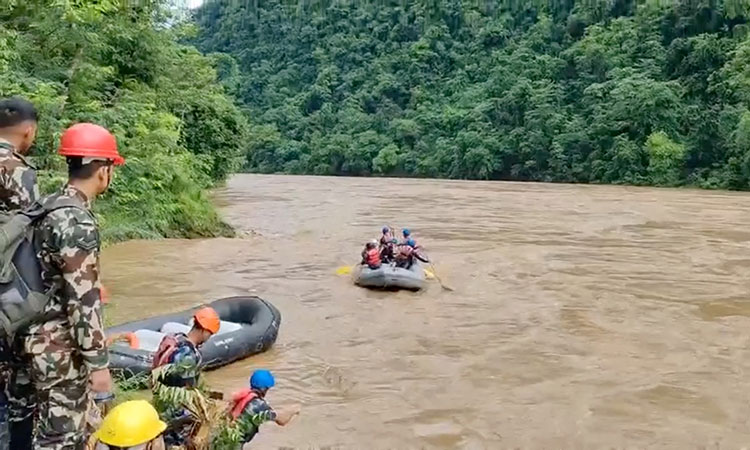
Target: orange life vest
240, 401
373, 257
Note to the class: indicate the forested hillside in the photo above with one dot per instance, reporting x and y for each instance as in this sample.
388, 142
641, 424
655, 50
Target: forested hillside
118, 63
605, 91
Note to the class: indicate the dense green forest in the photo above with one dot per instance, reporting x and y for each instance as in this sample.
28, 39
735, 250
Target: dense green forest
605, 91
120, 63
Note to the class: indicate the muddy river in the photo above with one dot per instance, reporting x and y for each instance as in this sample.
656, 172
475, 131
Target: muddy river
582, 316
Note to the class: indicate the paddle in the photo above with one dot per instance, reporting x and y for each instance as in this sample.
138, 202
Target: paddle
434, 273
344, 270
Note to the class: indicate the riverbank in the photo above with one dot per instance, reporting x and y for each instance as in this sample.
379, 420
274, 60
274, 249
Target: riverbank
187, 215
181, 212
117, 65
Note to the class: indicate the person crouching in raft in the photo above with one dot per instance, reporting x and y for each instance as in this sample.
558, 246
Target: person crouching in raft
181, 353
249, 408
133, 425
406, 253
371, 255
406, 233
387, 244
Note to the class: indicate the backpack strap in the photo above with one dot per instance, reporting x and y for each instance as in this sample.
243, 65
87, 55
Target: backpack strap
55, 203
41, 208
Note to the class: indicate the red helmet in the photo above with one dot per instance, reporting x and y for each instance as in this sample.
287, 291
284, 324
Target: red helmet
88, 140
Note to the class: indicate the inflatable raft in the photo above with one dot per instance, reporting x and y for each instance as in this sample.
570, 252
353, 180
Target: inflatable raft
249, 325
391, 277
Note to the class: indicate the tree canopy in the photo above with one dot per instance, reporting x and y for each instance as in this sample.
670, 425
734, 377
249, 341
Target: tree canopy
601, 91
120, 63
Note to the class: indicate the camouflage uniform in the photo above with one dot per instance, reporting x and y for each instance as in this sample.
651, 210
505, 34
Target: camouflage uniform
18, 190
62, 351
256, 413
18, 187
183, 372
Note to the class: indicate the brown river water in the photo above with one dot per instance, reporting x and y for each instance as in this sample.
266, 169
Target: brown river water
582, 316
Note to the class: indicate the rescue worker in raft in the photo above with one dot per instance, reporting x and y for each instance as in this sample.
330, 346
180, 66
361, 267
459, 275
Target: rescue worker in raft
181, 352
407, 252
371, 255
133, 425
387, 244
250, 409
407, 235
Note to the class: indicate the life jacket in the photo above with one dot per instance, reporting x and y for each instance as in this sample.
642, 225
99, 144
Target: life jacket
405, 251
240, 400
373, 257
167, 347
386, 238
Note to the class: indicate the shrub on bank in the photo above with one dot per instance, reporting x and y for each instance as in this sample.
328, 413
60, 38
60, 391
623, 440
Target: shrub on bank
119, 64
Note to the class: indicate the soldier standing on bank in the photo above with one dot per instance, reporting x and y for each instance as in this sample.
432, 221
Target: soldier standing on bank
66, 355
18, 190
18, 124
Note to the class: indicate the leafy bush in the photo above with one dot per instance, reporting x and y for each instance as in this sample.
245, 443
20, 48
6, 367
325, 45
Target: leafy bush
120, 64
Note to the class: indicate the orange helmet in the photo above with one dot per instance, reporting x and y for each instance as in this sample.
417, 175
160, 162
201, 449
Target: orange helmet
88, 140
208, 319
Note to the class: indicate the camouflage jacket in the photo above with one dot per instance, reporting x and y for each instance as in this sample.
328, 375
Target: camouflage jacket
68, 243
257, 412
18, 187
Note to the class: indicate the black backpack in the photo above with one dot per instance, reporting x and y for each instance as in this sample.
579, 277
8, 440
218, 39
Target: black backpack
23, 294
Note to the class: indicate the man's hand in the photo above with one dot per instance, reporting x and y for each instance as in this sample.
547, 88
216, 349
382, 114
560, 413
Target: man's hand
101, 381
287, 415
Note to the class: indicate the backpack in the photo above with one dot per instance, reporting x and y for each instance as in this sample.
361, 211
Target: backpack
23, 294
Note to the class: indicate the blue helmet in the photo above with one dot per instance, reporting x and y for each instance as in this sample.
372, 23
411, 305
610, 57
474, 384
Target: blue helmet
262, 379
386, 229
406, 232
411, 243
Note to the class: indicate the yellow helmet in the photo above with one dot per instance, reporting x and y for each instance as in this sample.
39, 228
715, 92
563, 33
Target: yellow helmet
129, 424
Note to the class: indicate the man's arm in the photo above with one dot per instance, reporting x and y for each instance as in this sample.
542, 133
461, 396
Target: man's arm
22, 183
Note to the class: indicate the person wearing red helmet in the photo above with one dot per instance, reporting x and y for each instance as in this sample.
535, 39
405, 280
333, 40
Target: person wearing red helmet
66, 353
181, 352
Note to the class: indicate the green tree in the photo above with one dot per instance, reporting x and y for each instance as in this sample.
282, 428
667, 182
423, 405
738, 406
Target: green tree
666, 159
121, 64
538, 90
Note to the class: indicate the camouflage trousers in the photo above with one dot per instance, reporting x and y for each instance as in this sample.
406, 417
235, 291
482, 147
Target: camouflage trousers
50, 381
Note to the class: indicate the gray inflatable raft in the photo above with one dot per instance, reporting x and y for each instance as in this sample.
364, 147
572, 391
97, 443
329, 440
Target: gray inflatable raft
249, 325
391, 277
